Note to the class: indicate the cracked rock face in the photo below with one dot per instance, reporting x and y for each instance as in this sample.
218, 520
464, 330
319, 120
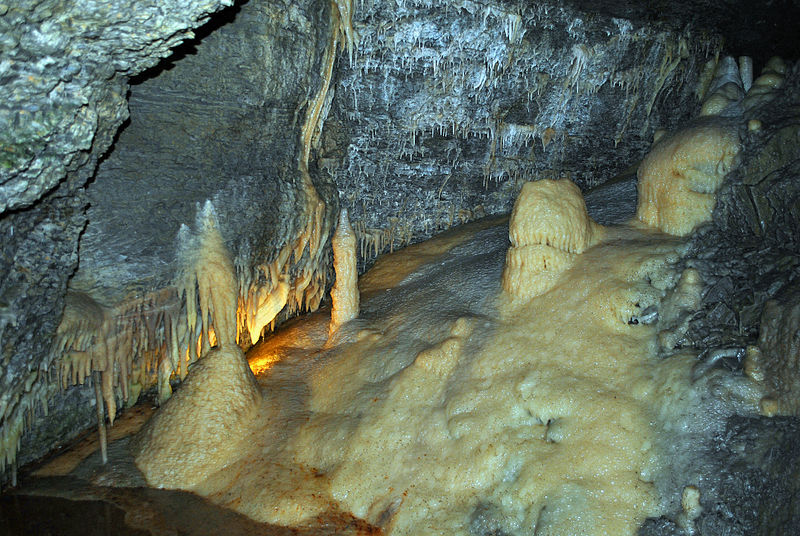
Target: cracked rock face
64, 68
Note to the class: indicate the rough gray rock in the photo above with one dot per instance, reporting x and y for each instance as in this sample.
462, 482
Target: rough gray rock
752, 479
63, 69
750, 252
222, 122
446, 108
39, 252
746, 466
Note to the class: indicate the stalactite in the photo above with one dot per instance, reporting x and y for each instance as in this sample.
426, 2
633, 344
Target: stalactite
675, 53
15, 412
372, 242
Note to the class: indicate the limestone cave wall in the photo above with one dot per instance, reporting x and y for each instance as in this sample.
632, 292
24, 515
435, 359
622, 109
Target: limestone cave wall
479, 97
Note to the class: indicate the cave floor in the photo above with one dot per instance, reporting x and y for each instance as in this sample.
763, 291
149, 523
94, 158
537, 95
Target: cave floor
75, 493
71, 492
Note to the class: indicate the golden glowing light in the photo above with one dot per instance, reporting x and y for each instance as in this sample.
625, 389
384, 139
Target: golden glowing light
262, 363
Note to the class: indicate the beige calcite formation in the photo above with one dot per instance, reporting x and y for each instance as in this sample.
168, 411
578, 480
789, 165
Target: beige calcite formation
344, 294
202, 427
542, 416
547, 417
549, 226
678, 179
763, 89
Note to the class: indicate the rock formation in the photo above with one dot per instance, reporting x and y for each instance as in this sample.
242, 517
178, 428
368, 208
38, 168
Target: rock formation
124, 125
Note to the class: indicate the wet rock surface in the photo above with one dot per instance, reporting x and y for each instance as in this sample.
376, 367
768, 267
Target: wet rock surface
752, 478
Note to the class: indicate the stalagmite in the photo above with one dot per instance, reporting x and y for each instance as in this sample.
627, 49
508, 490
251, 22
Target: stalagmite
726, 88
690, 504
344, 294
549, 227
746, 72
101, 419
763, 89
204, 424
678, 179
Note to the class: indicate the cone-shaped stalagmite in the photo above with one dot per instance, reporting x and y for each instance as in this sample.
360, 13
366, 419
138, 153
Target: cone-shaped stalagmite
202, 426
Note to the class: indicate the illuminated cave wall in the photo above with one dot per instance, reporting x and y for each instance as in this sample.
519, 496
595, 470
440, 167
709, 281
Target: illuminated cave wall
438, 116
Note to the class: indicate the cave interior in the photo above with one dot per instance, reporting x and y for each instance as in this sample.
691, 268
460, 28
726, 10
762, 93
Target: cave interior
261, 257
